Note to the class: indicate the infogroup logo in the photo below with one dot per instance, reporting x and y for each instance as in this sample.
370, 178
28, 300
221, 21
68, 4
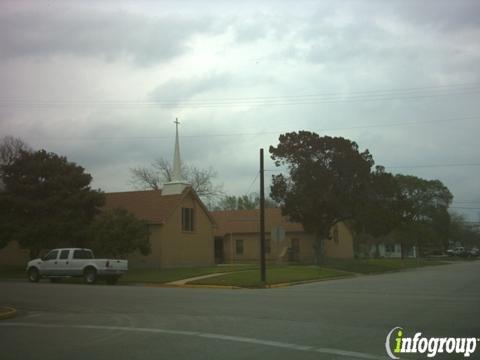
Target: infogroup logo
397, 343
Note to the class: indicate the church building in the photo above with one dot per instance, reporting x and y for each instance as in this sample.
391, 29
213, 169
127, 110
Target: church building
181, 228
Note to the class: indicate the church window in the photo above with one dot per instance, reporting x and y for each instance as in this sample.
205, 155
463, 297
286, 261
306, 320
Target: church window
187, 219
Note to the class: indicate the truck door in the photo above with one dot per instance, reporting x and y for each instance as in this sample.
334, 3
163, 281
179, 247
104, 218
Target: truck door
50, 264
78, 260
63, 262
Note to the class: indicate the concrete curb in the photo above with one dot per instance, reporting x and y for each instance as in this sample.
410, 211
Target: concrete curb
190, 286
281, 285
7, 312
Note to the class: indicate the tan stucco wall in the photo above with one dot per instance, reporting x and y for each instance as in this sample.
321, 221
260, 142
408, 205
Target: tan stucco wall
181, 248
13, 255
278, 249
153, 259
343, 249
172, 247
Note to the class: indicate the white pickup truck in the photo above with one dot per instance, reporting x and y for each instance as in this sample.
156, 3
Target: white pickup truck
75, 262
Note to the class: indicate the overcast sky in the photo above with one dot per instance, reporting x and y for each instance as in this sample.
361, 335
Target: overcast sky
102, 83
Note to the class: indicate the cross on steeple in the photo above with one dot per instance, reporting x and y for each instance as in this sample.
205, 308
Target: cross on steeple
177, 184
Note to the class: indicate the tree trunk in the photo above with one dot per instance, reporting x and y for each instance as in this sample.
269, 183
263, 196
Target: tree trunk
319, 249
402, 248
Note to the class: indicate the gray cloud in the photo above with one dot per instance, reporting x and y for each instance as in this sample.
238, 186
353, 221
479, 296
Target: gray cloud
442, 14
342, 47
177, 89
111, 36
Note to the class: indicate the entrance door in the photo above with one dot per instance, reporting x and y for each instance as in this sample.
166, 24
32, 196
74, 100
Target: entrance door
294, 250
219, 258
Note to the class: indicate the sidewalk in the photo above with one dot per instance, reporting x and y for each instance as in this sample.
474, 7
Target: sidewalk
185, 281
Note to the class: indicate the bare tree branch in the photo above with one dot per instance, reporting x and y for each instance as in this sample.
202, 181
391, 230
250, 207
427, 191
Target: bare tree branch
144, 178
160, 172
10, 148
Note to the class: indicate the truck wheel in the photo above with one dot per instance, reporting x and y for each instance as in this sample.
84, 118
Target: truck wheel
112, 280
33, 275
90, 276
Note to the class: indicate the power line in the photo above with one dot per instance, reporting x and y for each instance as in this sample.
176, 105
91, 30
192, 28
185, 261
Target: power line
464, 208
432, 166
253, 182
366, 126
382, 91
372, 95
412, 167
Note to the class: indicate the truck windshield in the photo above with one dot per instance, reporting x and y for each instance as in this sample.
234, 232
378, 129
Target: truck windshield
82, 254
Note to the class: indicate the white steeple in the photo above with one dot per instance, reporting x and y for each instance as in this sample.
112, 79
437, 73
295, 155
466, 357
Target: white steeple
177, 164
177, 184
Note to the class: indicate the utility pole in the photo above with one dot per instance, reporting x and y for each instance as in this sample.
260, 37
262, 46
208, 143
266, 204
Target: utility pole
262, 222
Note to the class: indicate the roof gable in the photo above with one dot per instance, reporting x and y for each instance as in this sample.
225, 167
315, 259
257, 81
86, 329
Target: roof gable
151, 205
197, 199
147, 205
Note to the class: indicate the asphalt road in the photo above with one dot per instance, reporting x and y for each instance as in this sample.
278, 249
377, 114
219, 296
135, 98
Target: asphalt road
341, 319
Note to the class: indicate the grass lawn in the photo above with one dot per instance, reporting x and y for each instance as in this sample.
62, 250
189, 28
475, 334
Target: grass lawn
168, 275
275, 275
12, 272
374, 266
331, 268
139, 275
248, 275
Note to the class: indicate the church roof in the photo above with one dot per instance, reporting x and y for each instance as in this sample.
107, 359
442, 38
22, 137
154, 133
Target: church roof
151, 205
147, 205
248, 221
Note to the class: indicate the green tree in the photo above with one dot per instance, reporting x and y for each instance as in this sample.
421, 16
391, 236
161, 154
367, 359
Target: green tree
244, 202
327, 181
425, 214
382, 210
118, 233
381, 213
47, 202
463, 232
228, 202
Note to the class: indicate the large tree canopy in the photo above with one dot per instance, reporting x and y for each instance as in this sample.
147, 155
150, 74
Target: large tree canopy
327, 182
463, 232
117, 233
382, 210
408, 210
47, 202
425, 211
